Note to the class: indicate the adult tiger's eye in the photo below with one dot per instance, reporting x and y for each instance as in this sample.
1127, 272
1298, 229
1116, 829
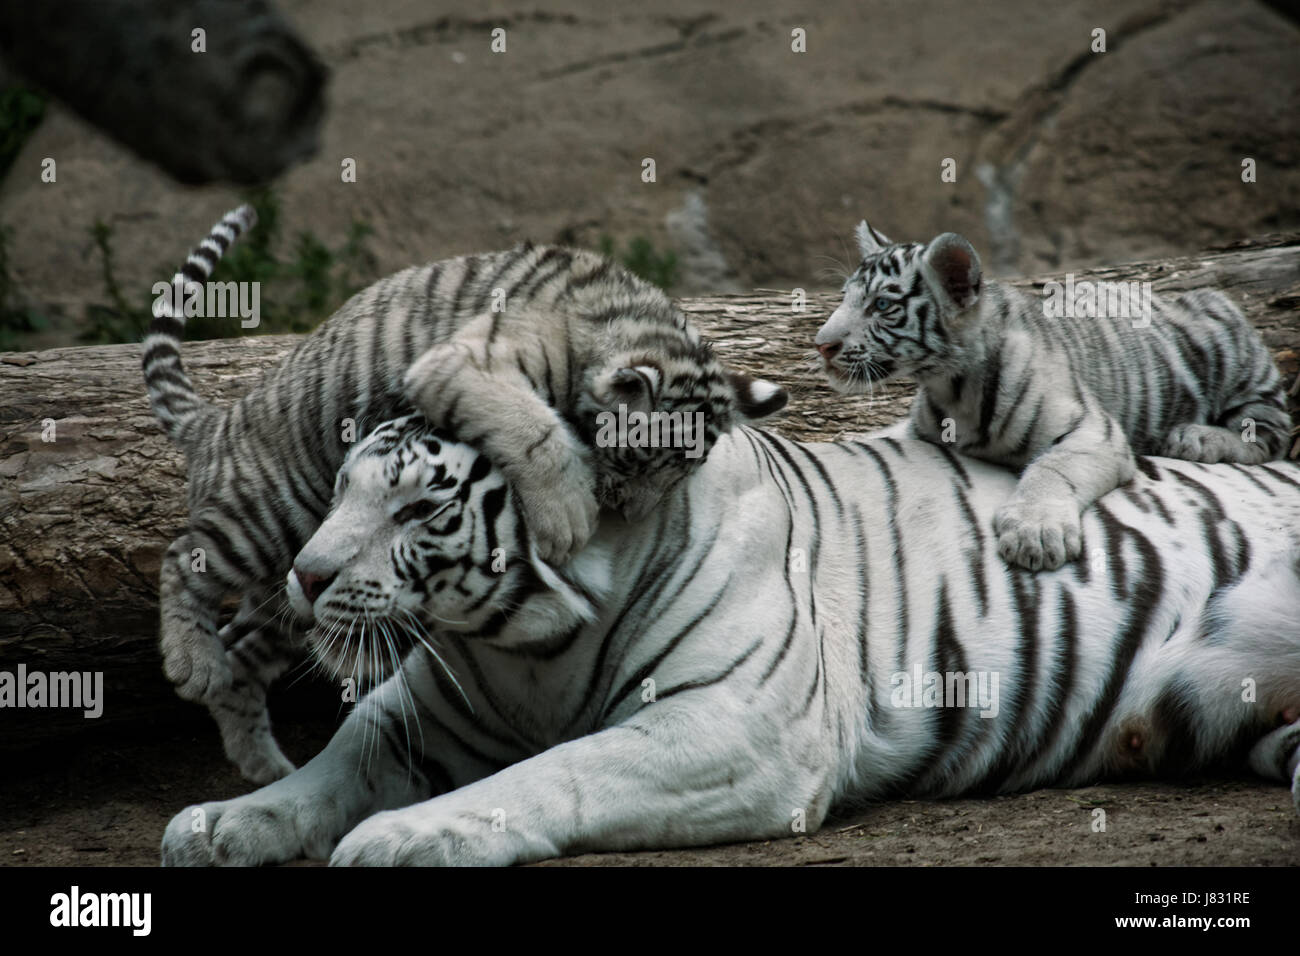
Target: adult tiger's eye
883, 304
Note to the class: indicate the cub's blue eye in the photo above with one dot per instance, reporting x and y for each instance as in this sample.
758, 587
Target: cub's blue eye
883, 304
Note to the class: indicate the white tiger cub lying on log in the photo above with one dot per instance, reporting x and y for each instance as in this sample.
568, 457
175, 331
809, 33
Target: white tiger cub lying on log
519, 352
1069, 398
684, 681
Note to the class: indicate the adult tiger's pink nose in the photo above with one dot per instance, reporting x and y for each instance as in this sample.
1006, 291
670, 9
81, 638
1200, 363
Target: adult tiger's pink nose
829, 350
313, 585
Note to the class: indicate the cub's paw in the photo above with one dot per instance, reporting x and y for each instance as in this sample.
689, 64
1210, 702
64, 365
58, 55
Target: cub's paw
1040, 536
248, 831
421, 836
1211, 444
557, 493
245, 726
197, 666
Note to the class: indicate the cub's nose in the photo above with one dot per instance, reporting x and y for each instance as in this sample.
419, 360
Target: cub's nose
313, 585
830, 349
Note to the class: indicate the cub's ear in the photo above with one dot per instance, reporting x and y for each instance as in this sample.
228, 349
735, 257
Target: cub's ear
635, 386
869, 240
953, 267
755, 397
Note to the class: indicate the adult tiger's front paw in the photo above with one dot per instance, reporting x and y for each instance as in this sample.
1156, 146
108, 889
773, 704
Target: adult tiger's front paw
271, 825
230, 833
421, 835
1038, 535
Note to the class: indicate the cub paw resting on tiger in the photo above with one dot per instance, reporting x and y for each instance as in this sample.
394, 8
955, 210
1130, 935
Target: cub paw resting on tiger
514, 350
679, 683
1067, 399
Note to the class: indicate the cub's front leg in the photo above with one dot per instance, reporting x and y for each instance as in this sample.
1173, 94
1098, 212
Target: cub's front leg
256, 659
193, 579
1073, 464
674, 775
475, 388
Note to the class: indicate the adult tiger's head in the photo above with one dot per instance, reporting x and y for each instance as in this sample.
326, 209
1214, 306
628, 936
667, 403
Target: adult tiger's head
901, 311
423, 534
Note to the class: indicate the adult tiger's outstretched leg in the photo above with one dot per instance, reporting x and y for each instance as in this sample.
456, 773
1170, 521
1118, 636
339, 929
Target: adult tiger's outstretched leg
686, 772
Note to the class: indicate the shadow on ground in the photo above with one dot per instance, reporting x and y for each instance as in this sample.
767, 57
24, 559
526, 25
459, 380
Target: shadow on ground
100, 805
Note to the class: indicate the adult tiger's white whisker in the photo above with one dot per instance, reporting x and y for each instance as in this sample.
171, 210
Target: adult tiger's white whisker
314, 663
426, 641
372, 651
357, 666
369, 701
444, 620
402, 686
269, 598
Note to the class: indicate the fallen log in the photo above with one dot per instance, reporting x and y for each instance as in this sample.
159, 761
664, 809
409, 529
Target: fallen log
91, 492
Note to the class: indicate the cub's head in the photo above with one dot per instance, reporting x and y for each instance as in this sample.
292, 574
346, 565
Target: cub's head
423, 534
652, 413
901, 309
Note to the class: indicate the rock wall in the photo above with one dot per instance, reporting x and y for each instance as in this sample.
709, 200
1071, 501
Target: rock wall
765, 158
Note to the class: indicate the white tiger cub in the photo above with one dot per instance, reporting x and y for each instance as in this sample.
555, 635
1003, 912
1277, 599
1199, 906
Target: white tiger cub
682, 682
1067, 399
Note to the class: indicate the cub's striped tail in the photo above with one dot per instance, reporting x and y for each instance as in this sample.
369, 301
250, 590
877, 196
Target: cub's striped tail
175, 403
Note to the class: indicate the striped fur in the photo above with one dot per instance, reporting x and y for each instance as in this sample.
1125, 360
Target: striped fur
518, 352
731, 667
1069, 400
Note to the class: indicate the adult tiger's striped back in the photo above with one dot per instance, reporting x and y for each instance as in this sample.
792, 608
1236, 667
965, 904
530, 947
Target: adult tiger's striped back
762, 649
518, 352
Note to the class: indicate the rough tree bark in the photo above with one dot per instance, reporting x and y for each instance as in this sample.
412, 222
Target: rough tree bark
84, 519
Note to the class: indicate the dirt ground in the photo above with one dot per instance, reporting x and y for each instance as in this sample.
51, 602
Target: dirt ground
98, 805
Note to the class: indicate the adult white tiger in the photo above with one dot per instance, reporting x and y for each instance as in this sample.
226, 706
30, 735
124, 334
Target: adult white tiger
684, 681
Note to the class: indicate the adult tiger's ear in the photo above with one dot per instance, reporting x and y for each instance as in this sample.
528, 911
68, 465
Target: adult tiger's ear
869, 240
953, 268
757, 398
